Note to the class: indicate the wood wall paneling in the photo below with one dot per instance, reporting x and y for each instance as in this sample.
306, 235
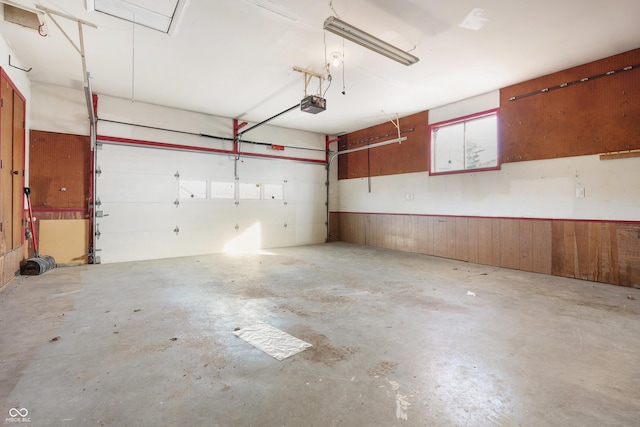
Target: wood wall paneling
628, 239
440, 236
509, 243
610, 254
59, 170
473, 253
406, 157
557, 249
461, 238
597, 116
425, 235
343, 159
525, 237
485, 241
541, 246
496, 243
334, 226
601, 251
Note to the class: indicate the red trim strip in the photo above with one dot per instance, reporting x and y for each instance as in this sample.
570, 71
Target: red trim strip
623, 221
151, 144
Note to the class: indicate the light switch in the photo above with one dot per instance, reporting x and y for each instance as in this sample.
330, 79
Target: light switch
580, 192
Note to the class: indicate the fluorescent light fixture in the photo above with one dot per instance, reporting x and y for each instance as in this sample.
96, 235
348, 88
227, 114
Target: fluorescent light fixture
365, 39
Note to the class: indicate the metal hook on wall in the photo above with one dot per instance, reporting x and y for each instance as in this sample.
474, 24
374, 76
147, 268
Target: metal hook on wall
21, 69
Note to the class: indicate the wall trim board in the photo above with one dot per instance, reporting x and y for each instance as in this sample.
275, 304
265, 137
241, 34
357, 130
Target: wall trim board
489, 217
218, 151
600, 251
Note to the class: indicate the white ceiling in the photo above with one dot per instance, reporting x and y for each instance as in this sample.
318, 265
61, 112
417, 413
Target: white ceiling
234, 58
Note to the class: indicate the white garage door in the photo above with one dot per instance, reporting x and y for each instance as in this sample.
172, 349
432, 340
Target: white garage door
156, 203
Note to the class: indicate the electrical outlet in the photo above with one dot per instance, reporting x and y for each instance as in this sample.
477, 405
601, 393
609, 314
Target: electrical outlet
580, 192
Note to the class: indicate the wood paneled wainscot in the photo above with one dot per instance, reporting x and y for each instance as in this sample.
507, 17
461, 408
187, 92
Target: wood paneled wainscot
601, 251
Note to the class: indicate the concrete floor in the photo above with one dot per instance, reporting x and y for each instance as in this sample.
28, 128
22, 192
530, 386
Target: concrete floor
397, 341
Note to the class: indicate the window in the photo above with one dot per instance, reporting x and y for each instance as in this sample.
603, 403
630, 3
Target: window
249, 191
192, 189
465, 144
223, 190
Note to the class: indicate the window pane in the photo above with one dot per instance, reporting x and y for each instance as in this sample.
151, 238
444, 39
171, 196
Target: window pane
481, 146
249, 191
448, 144
223, 190
191, 189
465, 144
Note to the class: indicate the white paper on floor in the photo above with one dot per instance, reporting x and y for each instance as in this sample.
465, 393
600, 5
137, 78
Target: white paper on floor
276, 343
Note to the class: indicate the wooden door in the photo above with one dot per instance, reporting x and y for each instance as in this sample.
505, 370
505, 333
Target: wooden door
17, 172
12, 139
6, 166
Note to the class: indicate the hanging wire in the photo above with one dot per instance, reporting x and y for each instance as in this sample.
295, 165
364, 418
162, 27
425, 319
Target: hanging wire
133, 60
327, 66
344, 92
333, 9
330, 80
324, 34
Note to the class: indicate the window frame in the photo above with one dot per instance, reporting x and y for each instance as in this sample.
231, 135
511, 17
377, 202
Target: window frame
463, 119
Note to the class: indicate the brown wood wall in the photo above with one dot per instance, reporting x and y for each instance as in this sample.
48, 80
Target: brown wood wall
406, 157
601, 115
59, 177
59, 171
598, 116
601, 251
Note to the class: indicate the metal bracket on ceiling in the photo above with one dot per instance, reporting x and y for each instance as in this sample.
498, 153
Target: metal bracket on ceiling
307, 76
50, 13
21, 69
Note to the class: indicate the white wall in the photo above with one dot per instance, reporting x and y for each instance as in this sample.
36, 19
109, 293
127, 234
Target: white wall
59, 109
534, 189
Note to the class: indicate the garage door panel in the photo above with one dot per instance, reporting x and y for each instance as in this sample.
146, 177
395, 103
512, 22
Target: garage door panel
308, 234
142, 217
137, 188
195, 242
125, 246
126, 158
311, 213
